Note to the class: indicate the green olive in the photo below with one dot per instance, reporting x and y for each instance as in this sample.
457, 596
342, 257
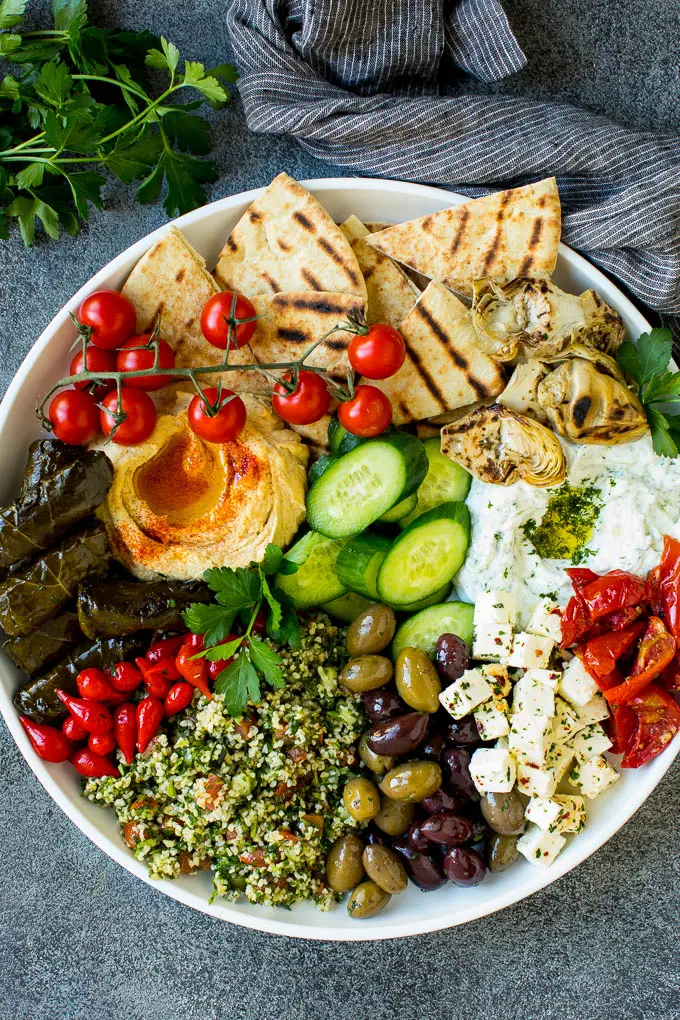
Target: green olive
384, 867
371, 631
366, 672
412, 781
361, 799
367, 900
344, 869
504, 812
394, 816
417, 681
378, 763
501, 851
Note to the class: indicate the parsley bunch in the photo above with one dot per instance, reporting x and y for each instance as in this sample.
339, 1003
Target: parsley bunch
79, 102
646, 362
240, 595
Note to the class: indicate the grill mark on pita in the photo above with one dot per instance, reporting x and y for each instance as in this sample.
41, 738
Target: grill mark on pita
426, 379
528, 260
503, 200
189, 323
292, 336
159, 310
426, 224
455, 356
254, 216
304, 222
330, 250
231, 244
312, 304
272, 282
490, 256
404, 408
335, 345
311, 280
368, 273
180, 275
455, 243
282, 244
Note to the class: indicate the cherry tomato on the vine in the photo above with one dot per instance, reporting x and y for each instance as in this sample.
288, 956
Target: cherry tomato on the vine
368, 413
138, 354
216, 315
139, 421
110, 316
379, 353
96, 360
74, 417
308, 402
217, 420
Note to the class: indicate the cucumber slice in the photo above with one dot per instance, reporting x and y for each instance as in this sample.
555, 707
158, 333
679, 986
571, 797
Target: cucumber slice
444, 482
364, 483
432, 600
399, 510
319, 466
315, 580
426, 555
347, 607
359, 561
424, 629
340, 441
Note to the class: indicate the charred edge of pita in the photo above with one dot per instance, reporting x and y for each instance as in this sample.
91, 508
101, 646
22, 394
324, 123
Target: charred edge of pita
458, 359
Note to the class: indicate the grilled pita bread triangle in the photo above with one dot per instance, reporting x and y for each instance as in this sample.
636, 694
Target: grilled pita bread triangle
391, 295
444, 367
502, 236
286, 241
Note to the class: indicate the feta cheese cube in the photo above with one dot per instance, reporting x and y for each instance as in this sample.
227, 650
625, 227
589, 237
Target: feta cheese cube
595, 710
543, 812
561, 813
492, 642
495, 607
497, 676
542, 780
502, 742
576, 684
540, 847
573, 816
565, 723
465, 694
493, 770
548, 677
546, 620
532, 698
589, 742
530, 650
593, 777
529, 737
492, 719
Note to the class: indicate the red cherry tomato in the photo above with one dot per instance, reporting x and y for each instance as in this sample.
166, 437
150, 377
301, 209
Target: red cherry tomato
308, 402
110, 316
218, 421
125, 677
72, 729
379, 353
74, 417
368, 413
138, 354
215, 317
139, 421
94, 684
101, 743
96, 360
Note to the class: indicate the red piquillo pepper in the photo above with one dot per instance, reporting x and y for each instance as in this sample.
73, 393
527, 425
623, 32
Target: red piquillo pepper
48, 742
92, 716
125, 729
92, 765
150, 714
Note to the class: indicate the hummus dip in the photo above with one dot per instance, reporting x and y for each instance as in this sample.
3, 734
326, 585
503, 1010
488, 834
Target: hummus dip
179, 505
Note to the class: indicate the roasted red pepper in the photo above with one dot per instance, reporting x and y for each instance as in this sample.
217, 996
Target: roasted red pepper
656, 651
177, 698
125, 730
620, 728
165, 648
125, 677
616, 590
669, 679
665, 580
92, 765
149, 717
195, 671
48, 742
601, 653
92, 716
657, 720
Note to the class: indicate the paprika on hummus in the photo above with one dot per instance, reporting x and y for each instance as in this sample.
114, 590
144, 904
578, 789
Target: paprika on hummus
179, 505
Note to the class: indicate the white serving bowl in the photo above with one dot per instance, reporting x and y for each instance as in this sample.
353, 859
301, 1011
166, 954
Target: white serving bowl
414, 912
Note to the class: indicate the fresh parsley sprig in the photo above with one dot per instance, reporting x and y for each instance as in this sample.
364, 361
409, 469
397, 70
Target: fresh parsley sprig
81, 102
646, 363
239, 596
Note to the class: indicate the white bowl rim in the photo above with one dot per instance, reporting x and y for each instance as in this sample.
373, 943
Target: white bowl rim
654, 771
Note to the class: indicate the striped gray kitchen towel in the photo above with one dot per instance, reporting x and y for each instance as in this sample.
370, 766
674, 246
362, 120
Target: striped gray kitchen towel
362, 84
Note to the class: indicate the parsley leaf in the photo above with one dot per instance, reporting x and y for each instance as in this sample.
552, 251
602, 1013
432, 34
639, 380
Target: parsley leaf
664, 444
647, 364
236, 589
239, 683
11, 13
267, 661
227, 650
213, 622
654, 352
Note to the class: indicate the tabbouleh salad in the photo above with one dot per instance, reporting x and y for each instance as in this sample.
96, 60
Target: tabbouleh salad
257, 799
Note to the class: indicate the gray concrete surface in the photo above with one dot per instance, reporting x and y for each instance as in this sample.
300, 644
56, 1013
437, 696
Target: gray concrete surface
82, 939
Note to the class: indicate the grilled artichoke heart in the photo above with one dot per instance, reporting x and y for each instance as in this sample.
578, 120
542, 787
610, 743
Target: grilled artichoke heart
497, 445
521, 393
534, 318
585, 403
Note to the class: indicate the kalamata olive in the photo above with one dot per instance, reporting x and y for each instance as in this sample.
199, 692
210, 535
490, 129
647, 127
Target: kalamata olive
451, 657
367, 900
463, 731
394, 817
344, 869
361, 799
501, 852
416, 838
372, 834
379, 763
504, 812
400, 735
456, 762
463, 867
366, 672
384, 867
382, 704
416, 680
412, 781
447, 828
432, 746
371, 631
442, 800
480, 829
424, 871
